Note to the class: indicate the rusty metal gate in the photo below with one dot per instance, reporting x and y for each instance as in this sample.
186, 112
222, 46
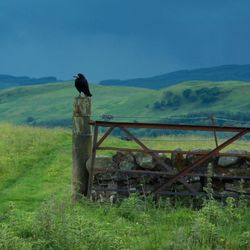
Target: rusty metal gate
171, 179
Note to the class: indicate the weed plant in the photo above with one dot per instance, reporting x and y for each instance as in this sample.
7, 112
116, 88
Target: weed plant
135, 223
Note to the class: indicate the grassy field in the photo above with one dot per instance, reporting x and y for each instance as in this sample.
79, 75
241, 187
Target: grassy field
34, 164
37, 212
51, 104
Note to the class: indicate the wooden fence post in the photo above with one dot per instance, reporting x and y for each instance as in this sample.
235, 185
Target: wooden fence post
81, 145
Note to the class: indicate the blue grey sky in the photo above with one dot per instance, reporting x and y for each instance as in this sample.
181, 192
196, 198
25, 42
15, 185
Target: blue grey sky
121, 38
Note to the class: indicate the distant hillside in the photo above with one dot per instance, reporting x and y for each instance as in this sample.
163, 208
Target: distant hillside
51, 104
221, 73
7, 81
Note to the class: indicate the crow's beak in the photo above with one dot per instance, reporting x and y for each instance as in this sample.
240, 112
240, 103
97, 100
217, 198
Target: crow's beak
75, 76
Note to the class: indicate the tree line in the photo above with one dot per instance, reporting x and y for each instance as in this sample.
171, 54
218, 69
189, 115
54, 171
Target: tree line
203, 95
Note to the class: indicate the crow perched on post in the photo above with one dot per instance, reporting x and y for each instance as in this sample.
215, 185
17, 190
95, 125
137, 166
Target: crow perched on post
82, 85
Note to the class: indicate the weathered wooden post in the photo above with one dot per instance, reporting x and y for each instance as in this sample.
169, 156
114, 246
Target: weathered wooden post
81, 145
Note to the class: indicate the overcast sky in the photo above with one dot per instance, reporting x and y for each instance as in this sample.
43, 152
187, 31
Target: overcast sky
121, 38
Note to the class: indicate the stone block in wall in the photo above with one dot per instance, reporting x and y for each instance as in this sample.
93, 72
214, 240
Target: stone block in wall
101, 162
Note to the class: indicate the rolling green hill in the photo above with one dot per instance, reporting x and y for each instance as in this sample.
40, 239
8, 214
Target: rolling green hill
220, 73
232, 96
51, 104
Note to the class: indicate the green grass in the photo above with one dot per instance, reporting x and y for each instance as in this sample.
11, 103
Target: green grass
36, 211
48, 103
32, 160
178, 142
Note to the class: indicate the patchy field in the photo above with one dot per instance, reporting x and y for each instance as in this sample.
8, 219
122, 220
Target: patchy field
36, 211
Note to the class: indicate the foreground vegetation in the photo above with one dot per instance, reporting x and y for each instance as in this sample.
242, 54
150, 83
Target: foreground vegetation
133, 224
36, 211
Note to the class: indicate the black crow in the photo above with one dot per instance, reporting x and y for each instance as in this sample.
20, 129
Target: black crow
82, 85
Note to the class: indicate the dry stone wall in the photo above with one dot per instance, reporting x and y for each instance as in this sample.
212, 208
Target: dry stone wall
120, 182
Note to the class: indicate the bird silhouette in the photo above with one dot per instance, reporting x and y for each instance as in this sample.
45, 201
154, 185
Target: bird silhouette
82, 84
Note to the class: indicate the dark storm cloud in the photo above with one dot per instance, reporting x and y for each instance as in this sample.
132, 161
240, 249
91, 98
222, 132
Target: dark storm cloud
116, 38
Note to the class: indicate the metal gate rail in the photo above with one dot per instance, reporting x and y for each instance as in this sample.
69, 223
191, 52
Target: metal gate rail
172, 178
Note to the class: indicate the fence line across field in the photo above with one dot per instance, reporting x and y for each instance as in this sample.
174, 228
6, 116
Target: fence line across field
231, 120
150, 117
218, 118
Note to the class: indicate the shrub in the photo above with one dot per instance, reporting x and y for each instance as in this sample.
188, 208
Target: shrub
168, 100
187, 93
204, 233
60, 225
8, 239
244, 240
131, 208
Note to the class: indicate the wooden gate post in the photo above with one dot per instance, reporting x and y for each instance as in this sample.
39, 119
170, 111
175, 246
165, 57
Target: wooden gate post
81, 145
